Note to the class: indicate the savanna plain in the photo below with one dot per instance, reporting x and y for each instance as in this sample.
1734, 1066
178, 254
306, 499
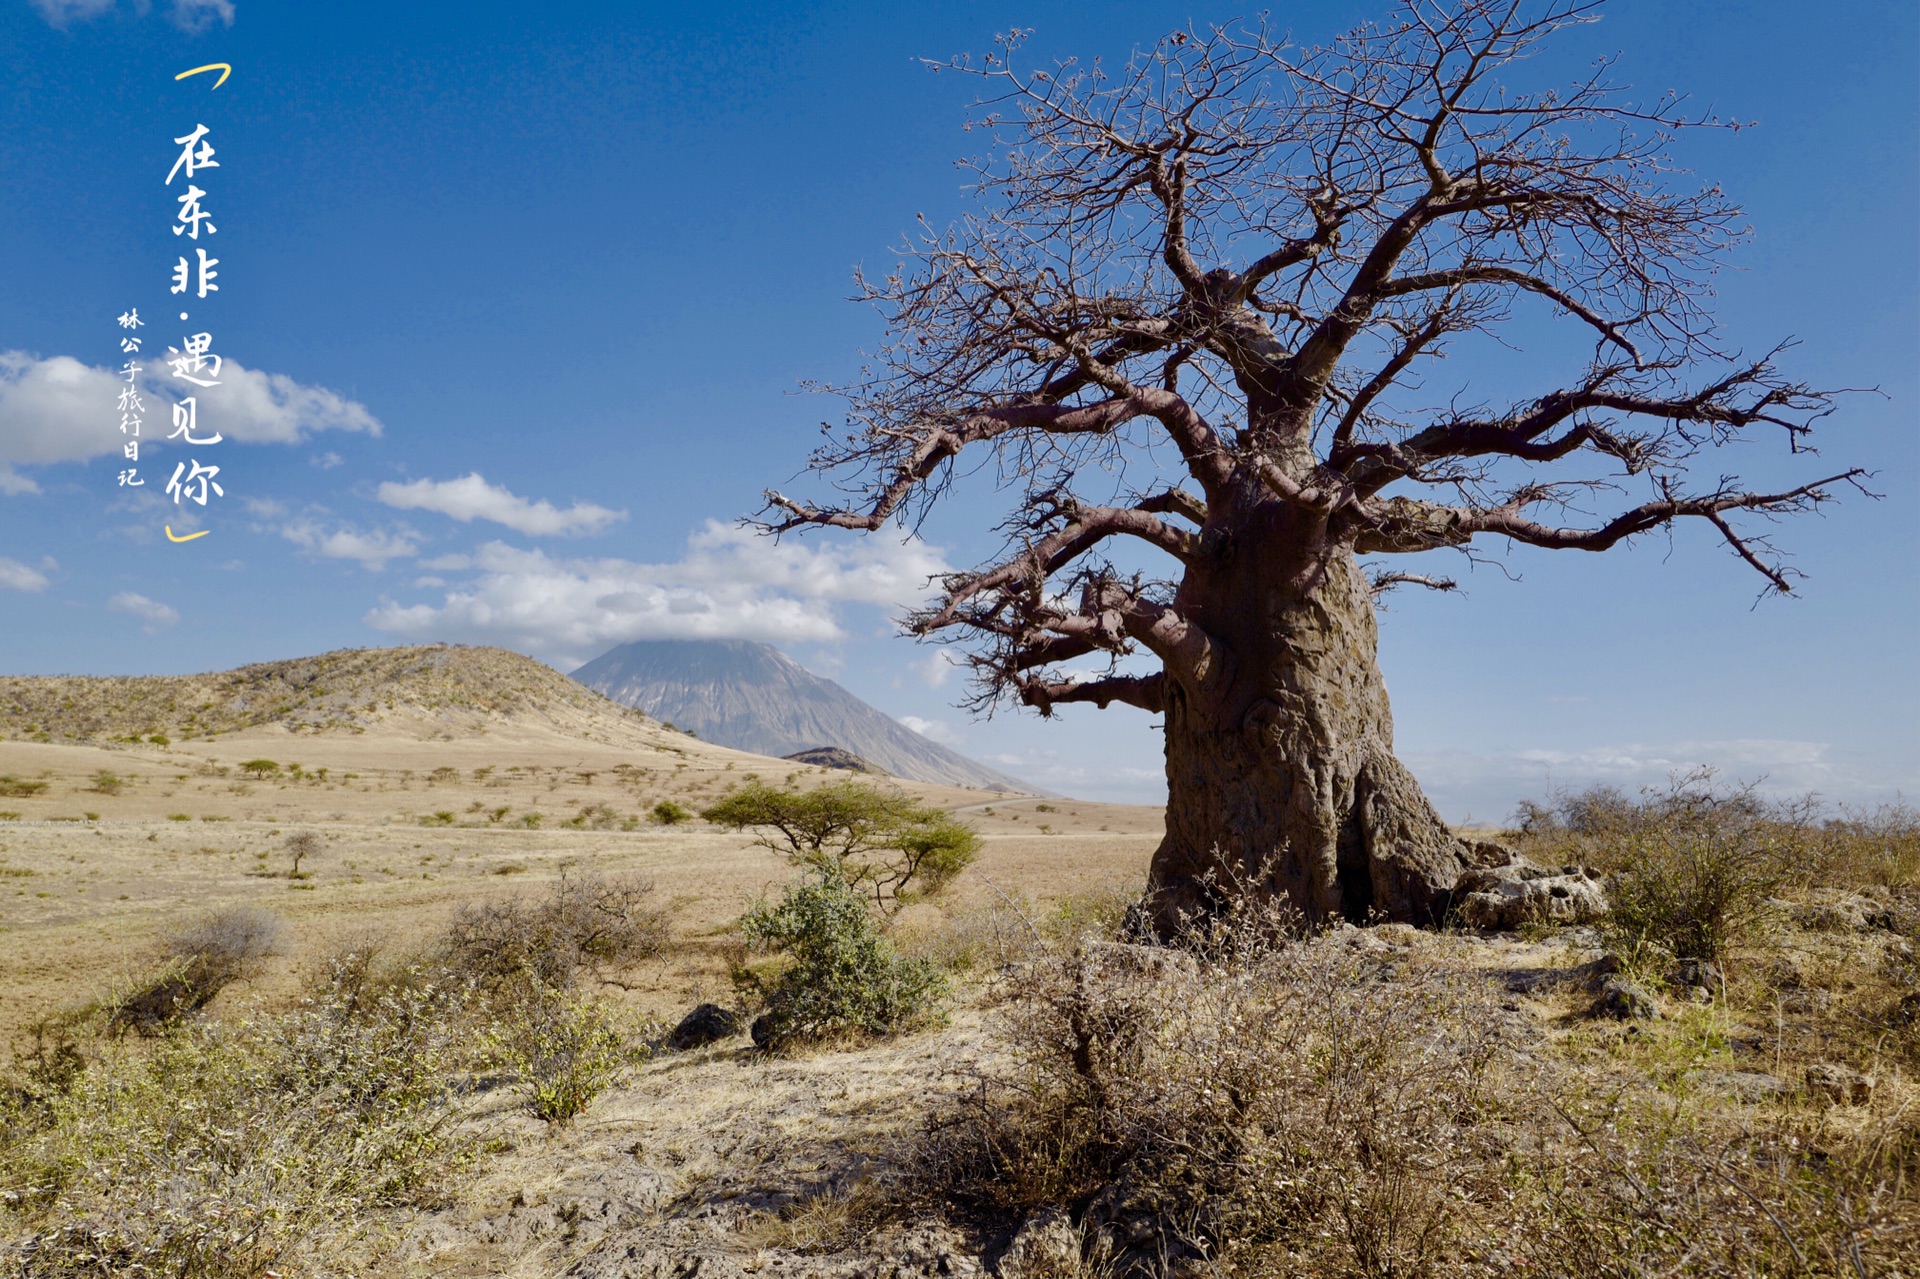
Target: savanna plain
426, 962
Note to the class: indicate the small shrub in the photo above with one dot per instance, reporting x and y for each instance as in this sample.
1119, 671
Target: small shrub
587, 924
593, 817
1879, 847
1696, 869
107, 783
160, 739
261, 768
1272, 1105
668, 813
232, 1148
12, 787
565, 1048
843, 977
196, 963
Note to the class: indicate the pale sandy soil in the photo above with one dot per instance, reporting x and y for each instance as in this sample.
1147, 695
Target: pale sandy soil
89, 879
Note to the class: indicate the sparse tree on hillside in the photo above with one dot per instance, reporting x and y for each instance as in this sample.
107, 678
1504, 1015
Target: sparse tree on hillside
301, 845
1190, 321
879, 841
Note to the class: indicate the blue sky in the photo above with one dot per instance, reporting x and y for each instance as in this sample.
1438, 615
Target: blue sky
516, 302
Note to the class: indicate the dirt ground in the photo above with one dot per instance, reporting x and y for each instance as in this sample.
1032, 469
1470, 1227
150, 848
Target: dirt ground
123, 842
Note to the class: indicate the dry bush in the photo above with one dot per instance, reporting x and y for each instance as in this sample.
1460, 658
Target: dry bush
587, 925
197, 962
231, 1148
1877, 848
1337, 1105
1254, 1101
1692, 865
1646, 1186
300, 846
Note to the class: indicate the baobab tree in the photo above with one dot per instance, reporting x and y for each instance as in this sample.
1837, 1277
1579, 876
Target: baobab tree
1194, 317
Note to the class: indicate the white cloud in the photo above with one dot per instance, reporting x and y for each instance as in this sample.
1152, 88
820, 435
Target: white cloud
731, 584
371, 549
936, 667
328, 460
470, 498
932, 729
17, 576
192, 16
60, 410
155, 614
199, 15
62, 13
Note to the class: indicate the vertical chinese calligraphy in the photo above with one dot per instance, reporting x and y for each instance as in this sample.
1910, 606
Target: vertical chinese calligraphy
194, 360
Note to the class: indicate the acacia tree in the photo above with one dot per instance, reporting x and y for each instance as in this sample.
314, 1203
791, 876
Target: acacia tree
1191, 319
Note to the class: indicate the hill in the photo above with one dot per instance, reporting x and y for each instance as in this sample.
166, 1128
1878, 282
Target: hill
428, 690
753, 697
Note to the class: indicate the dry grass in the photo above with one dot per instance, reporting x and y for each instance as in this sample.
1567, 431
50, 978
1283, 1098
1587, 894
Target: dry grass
1353, 1104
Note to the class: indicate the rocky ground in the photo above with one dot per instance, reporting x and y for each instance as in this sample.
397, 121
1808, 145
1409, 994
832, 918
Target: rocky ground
723, 1162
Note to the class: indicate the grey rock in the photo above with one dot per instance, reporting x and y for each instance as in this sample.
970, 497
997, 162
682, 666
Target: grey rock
1699, 974
1504, 897
707, 1024
1045, 1247
1744, 1085
1622, 1000
1115, 960
1840, 1085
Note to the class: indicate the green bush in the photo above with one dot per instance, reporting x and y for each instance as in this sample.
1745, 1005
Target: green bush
15, 788
260, 767
566, 1050
843, 977
668, 813
879, 841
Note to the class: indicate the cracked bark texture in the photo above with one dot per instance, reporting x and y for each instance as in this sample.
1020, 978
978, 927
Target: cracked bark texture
1281, 775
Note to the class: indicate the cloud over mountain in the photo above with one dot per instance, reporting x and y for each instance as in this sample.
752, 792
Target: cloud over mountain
730, 584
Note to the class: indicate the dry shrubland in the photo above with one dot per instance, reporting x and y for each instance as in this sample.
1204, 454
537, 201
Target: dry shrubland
288, 1136
1353, 1104
1263, 1100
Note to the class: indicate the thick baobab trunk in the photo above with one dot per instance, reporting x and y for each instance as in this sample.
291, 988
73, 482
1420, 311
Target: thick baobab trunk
1280, 766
